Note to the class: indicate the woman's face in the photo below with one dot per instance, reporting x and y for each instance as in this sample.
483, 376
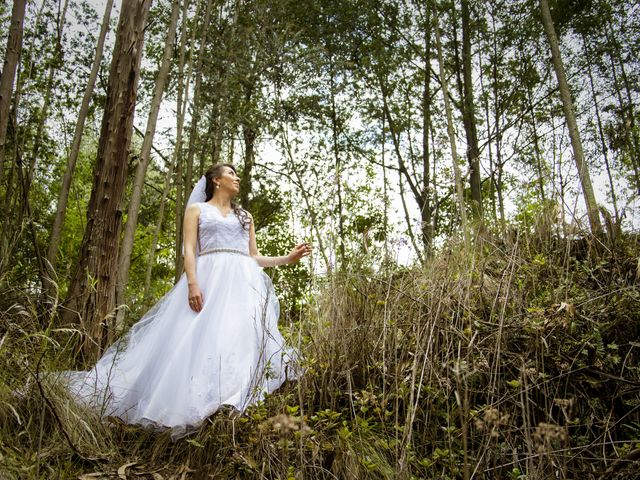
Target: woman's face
228, 181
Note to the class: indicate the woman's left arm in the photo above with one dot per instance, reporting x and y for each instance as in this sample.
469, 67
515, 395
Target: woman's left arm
299, 251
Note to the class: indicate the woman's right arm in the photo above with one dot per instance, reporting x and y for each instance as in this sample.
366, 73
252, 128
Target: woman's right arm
190, 238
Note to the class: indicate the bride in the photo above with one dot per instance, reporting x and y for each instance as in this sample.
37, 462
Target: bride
213, 339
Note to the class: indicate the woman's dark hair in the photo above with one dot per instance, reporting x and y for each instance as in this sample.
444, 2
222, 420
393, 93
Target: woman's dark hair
215, 171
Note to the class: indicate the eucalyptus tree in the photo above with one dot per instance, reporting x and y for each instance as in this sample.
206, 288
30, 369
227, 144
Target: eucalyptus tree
63, 194
196, 107
587, 27
126, 248
40, 144
36, 90
510, 85
91, 297
7, 79
451, 133
624, 66
183, 80
241, 60
9, 67
574, 133
469, 110
401, 55
329, 93
55, 60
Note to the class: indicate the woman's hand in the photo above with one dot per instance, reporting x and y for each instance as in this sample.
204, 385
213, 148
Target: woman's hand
299, 251
195, 297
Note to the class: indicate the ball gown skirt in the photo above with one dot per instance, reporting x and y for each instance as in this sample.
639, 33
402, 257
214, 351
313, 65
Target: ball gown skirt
176, 367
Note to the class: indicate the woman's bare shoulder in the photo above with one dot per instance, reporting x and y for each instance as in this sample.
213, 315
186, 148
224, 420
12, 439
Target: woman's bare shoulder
192, 210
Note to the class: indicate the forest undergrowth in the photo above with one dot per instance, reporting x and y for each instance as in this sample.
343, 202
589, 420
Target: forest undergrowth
515, 359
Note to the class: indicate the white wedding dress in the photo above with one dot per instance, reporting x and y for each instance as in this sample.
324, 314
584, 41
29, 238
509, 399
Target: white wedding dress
176, 367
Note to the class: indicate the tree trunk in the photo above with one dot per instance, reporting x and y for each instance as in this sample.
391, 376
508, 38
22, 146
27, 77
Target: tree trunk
249, 135
435, 222
195, 114
206, 147
603, 143
313, 220
402, 166
338, 165
12, 55
56, 61
9, 102
468, 116
536, 145
216, 147
626, 112
385, 190
27, 177
635, 140
92, 291
426, 211
183, 100
574, 134
407, 219
13, 225
451, 133
145, 156
156, 233
56, 229
499, 163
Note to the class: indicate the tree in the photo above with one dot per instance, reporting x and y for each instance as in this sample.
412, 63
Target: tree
182, 102
145, 156
61, 208
468, 114
450, 132
195, 113
574, 133
92, 292
14, 46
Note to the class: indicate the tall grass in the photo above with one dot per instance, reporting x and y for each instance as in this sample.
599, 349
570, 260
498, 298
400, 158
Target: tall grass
517, 359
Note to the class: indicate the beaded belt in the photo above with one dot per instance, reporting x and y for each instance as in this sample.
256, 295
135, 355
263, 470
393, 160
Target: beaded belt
223, 250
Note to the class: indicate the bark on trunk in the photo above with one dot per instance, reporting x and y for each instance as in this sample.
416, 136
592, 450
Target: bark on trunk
145, 156
338, 166
499, 164
536, 146
574, 134
92, 292
249, 135
7, 78
468, 116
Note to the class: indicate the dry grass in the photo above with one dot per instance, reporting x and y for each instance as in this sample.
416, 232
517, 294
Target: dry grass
516, 360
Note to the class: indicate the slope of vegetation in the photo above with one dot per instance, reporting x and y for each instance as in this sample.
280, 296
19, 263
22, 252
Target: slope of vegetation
517, 359
360, 126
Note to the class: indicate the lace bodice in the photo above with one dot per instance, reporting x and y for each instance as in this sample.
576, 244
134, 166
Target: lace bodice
217, 231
